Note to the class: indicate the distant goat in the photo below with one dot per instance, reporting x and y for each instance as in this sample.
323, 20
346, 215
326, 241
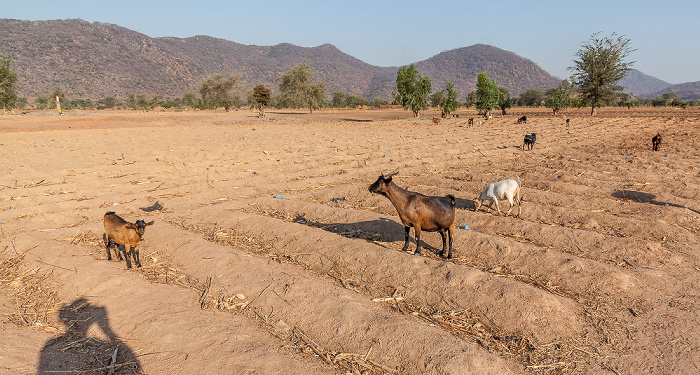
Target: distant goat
422, 212
471, 122
656, 142
506, 189
529, 141
521, 120
121, 232
455, 115
568, 120
436, 120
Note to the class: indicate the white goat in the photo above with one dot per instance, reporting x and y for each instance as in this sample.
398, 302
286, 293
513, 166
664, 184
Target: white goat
508, 189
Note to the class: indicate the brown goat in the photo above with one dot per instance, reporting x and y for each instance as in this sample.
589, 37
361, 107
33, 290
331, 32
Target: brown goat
423, 213
121, 232
436, 120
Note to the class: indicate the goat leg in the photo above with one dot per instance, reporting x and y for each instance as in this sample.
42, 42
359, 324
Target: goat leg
135, 255
444, 243
126, 256
405, 245
417, 229
450, 233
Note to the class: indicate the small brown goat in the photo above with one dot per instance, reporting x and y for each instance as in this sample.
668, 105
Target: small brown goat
656, 142
121, 232
422, 212
436, 120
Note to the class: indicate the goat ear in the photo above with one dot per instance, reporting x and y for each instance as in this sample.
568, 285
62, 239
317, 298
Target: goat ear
149, 223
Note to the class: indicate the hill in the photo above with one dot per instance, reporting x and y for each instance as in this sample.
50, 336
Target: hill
97, 60
685, 91
642, 85
462, 66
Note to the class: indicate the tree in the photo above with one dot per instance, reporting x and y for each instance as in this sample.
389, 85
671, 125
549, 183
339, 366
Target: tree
411, 90
487, 94
216, 91
298, 88
531, 98
437, 98
470, 100
48, 99
503, 99
8, 81
262, 96
558, 98
450, 103
338, 99
600, 66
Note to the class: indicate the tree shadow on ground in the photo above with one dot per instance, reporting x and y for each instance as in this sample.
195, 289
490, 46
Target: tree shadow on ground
83, 350
640, 197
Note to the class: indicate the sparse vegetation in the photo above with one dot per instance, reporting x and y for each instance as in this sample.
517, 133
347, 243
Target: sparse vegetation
411, 90
299, 89
487, 95
8, 82
558, 98
599, 66
262, 96
219, 90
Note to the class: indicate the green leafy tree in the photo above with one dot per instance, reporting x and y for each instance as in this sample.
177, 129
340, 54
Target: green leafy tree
599, 66
217, 91
487, 94
8, 82
190, 99
470, 100
411, 89
559, 98
262, 96
437, 99
338, 100
531, 98
504, 101
450, 104
298, 88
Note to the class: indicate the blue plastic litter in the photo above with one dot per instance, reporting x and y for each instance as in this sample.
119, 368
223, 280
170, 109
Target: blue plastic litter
279, 196
465, 226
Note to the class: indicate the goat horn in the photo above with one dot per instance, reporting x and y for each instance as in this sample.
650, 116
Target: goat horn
392, 173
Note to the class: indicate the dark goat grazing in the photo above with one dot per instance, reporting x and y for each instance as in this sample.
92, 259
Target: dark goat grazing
471, 122
121, 232
522, 119
656, 142
529, 141
422, 212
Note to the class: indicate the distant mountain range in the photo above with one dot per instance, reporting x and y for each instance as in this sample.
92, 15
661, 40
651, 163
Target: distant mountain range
97, 60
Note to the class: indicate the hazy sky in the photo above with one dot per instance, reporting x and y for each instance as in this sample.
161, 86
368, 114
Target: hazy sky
395, 33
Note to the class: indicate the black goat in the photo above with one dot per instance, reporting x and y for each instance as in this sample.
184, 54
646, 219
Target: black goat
471, 122
521, 120
529, 141
422, 212
656, 142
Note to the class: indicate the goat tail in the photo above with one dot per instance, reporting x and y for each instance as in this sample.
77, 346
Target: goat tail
452, 199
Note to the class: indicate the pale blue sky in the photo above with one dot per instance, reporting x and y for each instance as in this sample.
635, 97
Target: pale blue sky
395, 33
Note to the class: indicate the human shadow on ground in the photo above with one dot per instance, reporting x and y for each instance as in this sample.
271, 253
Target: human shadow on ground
640, 197
82, 350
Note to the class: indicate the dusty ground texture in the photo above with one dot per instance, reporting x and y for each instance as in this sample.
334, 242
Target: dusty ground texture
270, 256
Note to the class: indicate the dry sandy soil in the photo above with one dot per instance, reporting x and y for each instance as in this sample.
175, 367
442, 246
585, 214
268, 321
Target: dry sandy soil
270, 256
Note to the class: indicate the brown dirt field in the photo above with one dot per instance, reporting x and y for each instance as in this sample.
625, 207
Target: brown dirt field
599, 275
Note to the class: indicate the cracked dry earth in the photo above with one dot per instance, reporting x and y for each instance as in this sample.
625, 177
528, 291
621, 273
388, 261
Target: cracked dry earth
270, 256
